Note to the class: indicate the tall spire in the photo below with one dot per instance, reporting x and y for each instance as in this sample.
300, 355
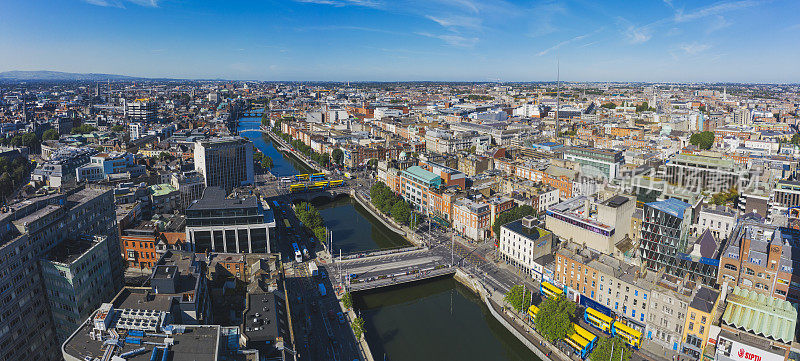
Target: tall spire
558, 96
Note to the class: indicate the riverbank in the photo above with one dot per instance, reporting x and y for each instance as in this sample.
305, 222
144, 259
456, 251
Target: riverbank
299, 157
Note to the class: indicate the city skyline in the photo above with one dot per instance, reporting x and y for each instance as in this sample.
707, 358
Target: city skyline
373, 40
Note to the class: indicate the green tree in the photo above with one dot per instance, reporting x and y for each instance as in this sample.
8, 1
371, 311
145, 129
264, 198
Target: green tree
164, 156
519, 297
118, 128
701, 109
602, 351
325, 159
703, 140
50, 134
347, 300
372, 163
511, 216
320, 234
338, 156
609, 105
83, 129
358, 327
266, 162
795, 139
554, 319
644, 107
401, 212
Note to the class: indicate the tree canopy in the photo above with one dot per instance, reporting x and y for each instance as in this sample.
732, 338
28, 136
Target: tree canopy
644, 107
83, 129
602, 351
519, 298
389, 203
554, 319
50, 134
703, 140
338, 156
511, 216
609, 105
13, 173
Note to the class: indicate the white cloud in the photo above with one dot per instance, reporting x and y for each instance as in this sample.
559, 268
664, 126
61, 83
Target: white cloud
694, 48
452, 39
120, 3
637, 35
456, 21
364, 3
569, 41
718, 24
715, 9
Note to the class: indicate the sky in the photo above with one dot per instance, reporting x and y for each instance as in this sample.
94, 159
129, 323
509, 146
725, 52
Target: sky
402, 40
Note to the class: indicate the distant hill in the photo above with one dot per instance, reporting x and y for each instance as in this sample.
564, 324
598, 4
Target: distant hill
45, 75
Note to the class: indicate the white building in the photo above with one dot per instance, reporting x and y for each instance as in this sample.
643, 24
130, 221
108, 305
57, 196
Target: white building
719, 220
522, 242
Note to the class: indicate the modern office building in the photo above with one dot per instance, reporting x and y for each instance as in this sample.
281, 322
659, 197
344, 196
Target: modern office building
233, 225
701, 173
522, 242
225, 162
667, 246
603, 226
596, 162
29, 230
75, 274
143, 110
107, 165
414, 185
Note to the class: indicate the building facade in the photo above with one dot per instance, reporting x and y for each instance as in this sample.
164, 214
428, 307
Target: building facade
225, 162
231, 225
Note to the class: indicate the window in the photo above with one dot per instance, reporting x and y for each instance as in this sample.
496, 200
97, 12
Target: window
731, 267
691, 326
749, 271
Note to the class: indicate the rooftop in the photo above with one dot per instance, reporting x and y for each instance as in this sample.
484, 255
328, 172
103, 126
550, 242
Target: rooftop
761, 315
215, 198
671, 206
422, 174
704, 299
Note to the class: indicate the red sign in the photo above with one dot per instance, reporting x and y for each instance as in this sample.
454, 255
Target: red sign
748, 356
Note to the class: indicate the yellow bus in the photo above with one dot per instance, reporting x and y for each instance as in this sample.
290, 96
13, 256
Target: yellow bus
318, 175
592, 338
547, 289
532, 311
297, 187
336, 183
323, 183
597, 319
301, 177
631, 336
581, 345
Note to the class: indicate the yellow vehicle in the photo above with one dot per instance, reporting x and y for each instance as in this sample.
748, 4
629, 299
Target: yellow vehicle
297, 188
532, 311
597, 319
336, 183
547, 289
322, 183
301, 177
631, 336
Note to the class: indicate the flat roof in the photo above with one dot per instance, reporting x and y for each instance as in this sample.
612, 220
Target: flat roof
671, 206
421, 173
198, 342
69, 250
215, 198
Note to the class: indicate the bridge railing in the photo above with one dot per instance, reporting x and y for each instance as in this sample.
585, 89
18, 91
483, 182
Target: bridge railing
403, 277
383, 252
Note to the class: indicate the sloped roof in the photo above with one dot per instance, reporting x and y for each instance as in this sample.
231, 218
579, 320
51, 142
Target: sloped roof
671, 206
760, 314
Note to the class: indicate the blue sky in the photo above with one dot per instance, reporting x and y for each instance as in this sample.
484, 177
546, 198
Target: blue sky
476, 40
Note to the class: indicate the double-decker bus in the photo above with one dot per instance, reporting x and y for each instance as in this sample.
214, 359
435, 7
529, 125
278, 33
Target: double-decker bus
631, 336
336, 183
547, 289
581, 345
297, 188
532, 311
317, 176
597, 319
592, 338
300, 177
298, 257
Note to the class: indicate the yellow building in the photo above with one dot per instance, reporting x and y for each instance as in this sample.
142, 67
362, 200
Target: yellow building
699, 317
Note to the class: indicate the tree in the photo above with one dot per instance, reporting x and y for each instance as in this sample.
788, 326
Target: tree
701, 109
372, 163
266, 162
164, 156
644, 107
554, 319
50, 134
519, 298
347, 300
325, 159
703, 140
401, 212
338, 156
358, 327
83, 129
511, 216
321, 234
795, 139
118, 128
602, 351
609, 105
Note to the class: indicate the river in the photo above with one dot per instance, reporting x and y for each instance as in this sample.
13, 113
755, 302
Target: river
435, 320
283, 164
355, 229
